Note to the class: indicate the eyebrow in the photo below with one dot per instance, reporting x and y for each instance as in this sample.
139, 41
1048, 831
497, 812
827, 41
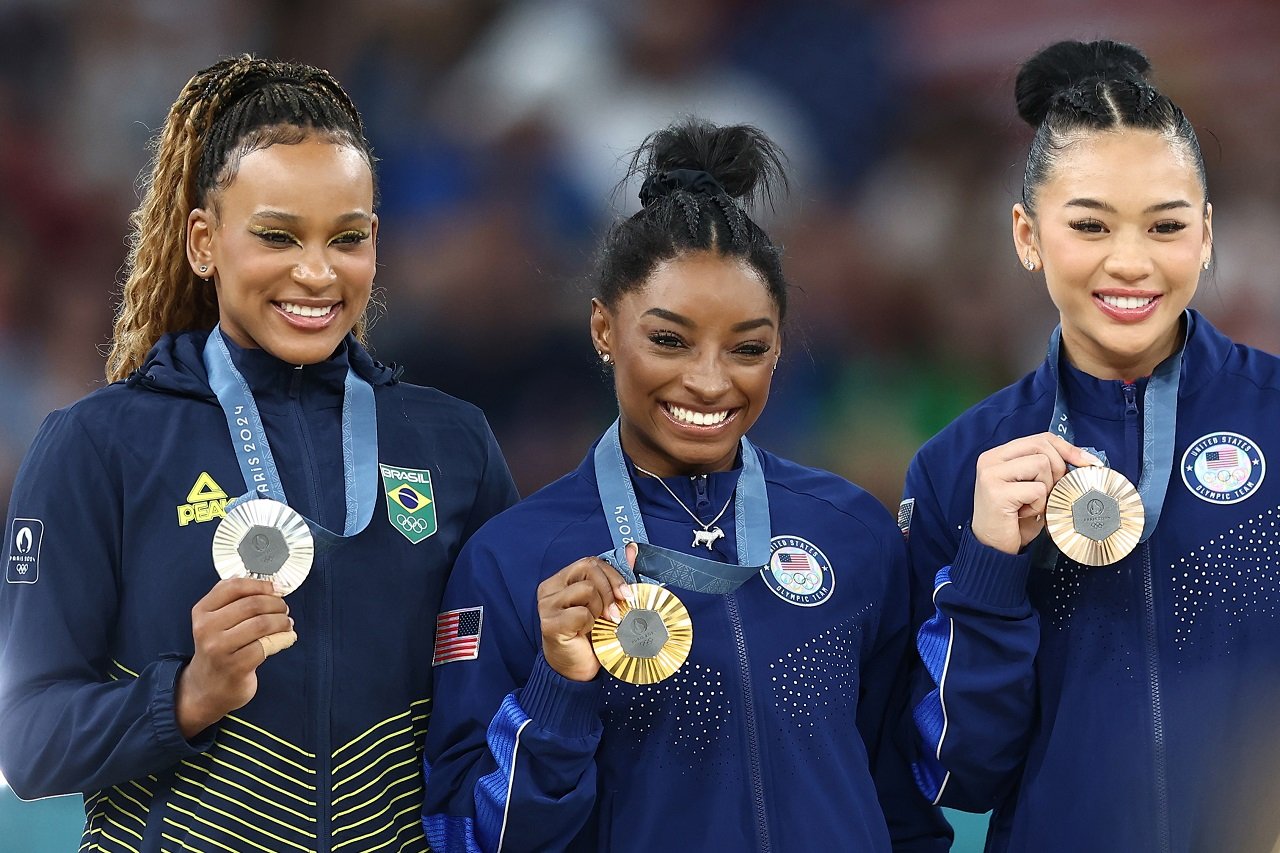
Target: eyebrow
1094, 204
681, 320
294, 219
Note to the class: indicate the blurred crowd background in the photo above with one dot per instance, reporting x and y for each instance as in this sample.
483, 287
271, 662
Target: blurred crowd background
504, 126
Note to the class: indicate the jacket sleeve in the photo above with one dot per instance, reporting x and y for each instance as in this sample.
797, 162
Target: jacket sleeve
975, 701
915, 825
510, 753
68, 726
497, 490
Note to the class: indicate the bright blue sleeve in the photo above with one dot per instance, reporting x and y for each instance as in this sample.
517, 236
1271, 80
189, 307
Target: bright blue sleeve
67, 727
978, 637
510, 753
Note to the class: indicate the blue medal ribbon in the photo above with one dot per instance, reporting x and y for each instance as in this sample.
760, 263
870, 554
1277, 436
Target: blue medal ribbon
675, 568
253, 451
1159, 422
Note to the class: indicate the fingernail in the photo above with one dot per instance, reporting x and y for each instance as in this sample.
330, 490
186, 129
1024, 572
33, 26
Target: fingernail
291, 618
277, 588
628, 594
614, 613
1093, 460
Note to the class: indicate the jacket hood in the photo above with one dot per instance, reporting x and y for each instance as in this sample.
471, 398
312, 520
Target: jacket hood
175, 365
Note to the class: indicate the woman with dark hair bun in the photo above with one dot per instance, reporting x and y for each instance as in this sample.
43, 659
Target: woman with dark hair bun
247, 441
688, 642
1100, 537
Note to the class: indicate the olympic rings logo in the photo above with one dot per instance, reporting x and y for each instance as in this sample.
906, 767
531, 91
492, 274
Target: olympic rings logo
415, 525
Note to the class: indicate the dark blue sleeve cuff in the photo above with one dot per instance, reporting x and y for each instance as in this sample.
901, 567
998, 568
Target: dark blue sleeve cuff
989, 575
163, 711
561, 706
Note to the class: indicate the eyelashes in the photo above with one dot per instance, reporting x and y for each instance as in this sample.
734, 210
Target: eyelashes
278, 237
672, 341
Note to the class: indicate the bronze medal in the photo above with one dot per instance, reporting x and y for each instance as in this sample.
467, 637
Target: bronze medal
266, 540
1095, 516
651, 640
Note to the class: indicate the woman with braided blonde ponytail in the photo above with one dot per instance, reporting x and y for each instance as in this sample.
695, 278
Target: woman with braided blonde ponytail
248, 442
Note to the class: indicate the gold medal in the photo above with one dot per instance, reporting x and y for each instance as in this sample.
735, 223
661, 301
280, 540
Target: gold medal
650, 642
1095, 515
266, 540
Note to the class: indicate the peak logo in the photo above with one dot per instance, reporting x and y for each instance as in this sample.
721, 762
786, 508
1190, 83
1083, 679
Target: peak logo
205, 501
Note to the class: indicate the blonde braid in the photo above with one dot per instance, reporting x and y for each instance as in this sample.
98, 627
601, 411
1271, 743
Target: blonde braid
161, 294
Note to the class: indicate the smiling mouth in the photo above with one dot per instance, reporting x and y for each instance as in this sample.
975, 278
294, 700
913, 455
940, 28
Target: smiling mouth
702, 420
1127, 303
306, 310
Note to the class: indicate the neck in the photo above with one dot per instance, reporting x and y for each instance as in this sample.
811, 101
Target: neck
1123, 366
658, 462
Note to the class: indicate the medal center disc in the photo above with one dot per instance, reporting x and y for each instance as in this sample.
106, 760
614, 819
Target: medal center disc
263, 550
642, 633
1095, 515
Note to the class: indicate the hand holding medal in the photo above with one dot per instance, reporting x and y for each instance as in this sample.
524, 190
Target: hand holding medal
1014, 481
569, 603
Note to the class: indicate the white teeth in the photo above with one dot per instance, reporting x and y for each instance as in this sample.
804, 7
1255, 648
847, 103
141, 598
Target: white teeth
304, 310
1127, 301
697, 418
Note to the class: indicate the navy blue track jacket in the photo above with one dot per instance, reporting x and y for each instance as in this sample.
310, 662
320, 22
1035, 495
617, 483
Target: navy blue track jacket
108, 548
785, 730
1124, 708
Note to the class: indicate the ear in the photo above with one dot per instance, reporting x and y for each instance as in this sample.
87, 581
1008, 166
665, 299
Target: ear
1208, 234
200, 242
1024, 237
601, 327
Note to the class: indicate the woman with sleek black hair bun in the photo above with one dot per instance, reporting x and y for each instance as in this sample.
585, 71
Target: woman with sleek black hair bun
687, 643
1100, 538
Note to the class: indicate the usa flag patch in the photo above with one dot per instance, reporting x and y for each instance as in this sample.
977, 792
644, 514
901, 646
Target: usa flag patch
458, 635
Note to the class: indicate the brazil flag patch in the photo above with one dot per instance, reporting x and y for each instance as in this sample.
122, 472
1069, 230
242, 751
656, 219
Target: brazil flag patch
411, 505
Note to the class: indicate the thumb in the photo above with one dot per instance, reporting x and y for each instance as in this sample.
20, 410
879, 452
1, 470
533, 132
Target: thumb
632, 550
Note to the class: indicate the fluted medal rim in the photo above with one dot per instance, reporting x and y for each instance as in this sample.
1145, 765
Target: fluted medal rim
267, 512
672, 655
1060, 521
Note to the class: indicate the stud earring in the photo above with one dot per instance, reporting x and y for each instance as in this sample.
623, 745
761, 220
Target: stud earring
1206, 264
1031, 265
203, 269
605, 358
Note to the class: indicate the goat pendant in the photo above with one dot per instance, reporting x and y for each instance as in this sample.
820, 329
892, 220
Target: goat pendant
707, 537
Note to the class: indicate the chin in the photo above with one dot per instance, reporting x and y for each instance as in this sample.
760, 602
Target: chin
298, 352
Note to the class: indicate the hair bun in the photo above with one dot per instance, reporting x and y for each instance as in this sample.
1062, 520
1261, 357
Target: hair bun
1069, 63
741, 159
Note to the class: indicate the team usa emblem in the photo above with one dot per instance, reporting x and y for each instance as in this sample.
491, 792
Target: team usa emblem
1223, 467
411, 504
798, 572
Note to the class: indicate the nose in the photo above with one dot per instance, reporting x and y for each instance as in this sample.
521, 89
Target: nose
706, 379
1129, 259
314, 269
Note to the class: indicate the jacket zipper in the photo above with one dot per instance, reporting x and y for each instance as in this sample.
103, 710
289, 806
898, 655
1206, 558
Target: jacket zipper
1153, 651
324, 751
749, 720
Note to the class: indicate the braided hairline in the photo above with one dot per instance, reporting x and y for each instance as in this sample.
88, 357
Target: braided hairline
161, 294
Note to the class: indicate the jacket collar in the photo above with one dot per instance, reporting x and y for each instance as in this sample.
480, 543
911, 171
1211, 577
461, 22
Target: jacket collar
175, 365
